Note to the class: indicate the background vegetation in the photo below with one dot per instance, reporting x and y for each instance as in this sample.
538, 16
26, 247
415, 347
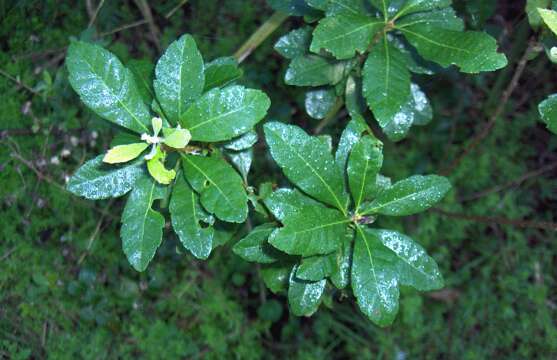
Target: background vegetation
66, 290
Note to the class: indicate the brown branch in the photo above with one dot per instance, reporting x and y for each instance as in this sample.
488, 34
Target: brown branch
124, 27
542, 225
143, 6
18, 82
95, 14
511, 183
477, 140
176, 8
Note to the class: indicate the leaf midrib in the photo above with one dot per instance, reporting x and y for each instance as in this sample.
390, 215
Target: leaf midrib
433, 41
372, 210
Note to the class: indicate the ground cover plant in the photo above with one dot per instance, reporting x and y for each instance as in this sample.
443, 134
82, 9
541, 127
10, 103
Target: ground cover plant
262, 188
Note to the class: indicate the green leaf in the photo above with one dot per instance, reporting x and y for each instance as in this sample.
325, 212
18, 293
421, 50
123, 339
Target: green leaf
364, 164
354, 7
189, 220
242, 161
254, 246
283, 203
413, 266
345, 34
548, 112
221, 188
319, 102
124, 153
532, 6
350, 136
415, 6
106, 86
386, 83
275, 276
313, 230
143, 70
316, 268
549, 17
295, 43
304, 297
445, 18
180, 77
142, 227
409, 196
221, 72
291, 7
340, 276
222, 114
471, 51
242, 142
307, 162
355, 102
374, 278
313, 70
96, 180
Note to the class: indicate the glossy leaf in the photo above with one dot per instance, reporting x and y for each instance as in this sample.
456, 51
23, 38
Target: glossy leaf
106, 86
255, 248
319, 102
124, 153
340, 275
223, 114
414, 6
350, 136
313, 230
276, 275
409, 196
242, 161
307, 162
157, 169
345, 34
295, 43
221, 188
142, 227
471, 51
548, 111
386, 83
549, 17
316, 268
445, 19
96, 180
180, 77
304, 297
143, 70
287, 202
189, 220
313, 70
364, 164
221, 72
242, 142
176, 138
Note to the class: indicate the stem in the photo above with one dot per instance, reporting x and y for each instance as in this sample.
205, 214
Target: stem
331, 115
18, 82
176, 8
260, 35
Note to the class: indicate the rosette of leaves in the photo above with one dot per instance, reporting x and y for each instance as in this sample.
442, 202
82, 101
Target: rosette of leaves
364, 52
185, 138
322, 232
548, 108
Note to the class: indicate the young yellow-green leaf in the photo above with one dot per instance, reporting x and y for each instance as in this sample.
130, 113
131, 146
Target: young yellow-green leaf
471, 51
158, 171
416, 6
345, 34
386, 83
221, 72
316, 268
223, 114
374, 278
142, 227
320, 101
307, 162
255, 248
304, 297
221, 188
180, 77
313, 230
124, 153
313, 70
548, 111
189, 220
106, 86
364, 164
176, 138
413, 266
143, 70
549, 17
286, 202
295, 43
409, 196
156, 125
96, 180
532, 7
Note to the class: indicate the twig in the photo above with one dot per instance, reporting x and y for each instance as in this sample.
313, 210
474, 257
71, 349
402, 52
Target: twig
143, 6
8, 253
93, 236
331, 115
18, 82
477, 140
511, 183
176, 8
94, 17
543, 225
124, 27
266, 29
